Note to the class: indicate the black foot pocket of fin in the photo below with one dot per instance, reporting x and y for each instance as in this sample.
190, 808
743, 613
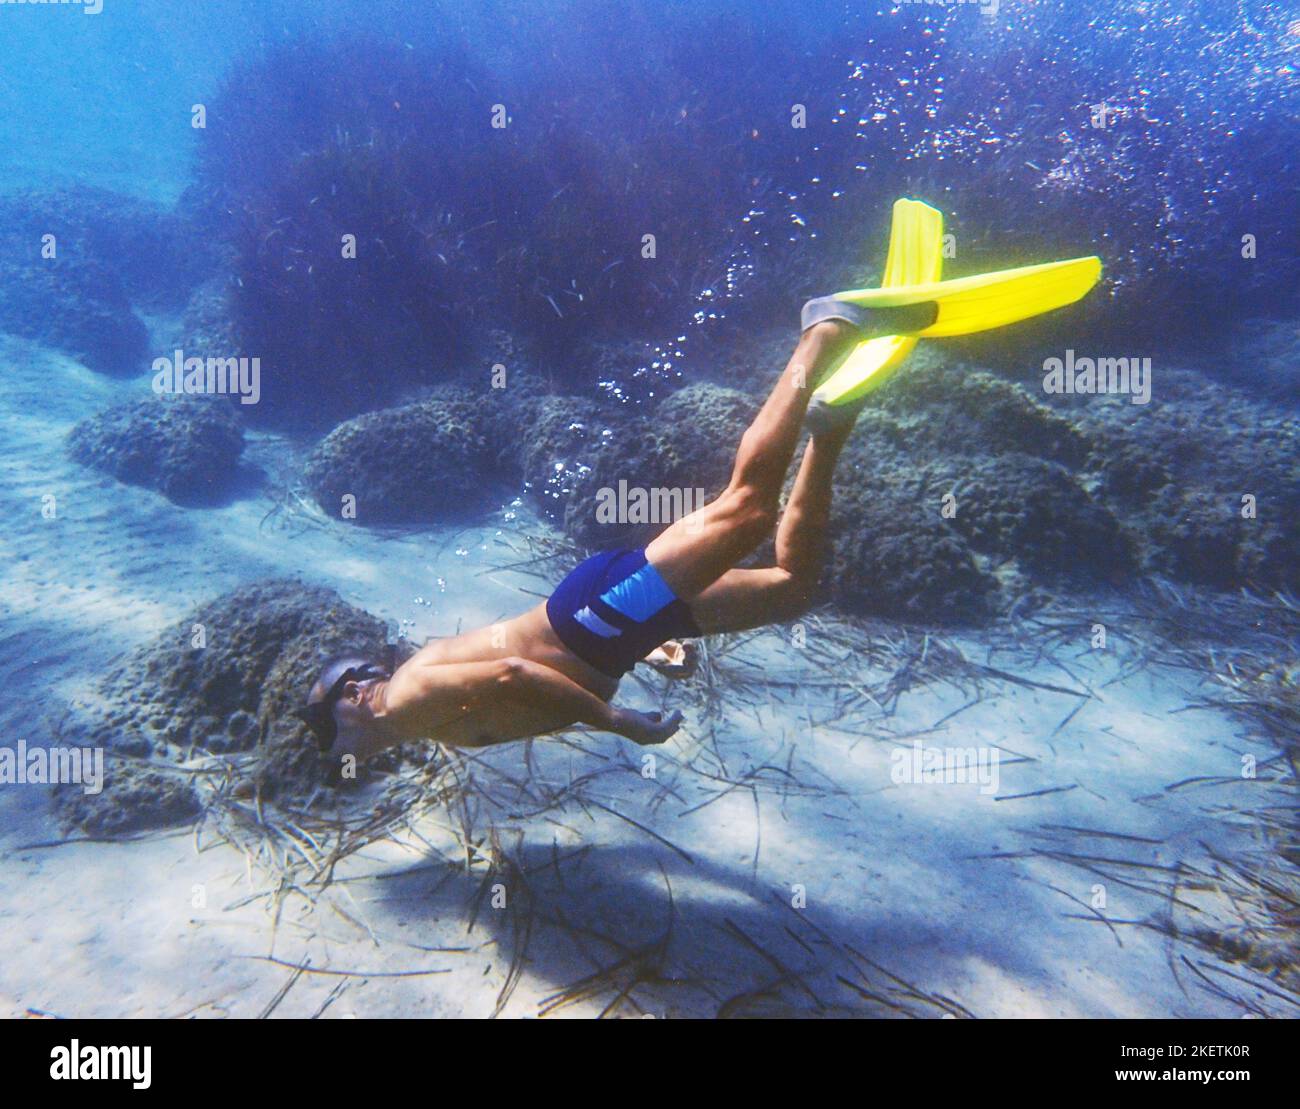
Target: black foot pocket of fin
905, 319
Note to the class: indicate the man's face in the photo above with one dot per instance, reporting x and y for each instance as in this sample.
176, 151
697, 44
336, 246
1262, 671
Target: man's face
357, 735
341, 697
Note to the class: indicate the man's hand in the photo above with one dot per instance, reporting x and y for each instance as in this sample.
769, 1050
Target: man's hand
646, 728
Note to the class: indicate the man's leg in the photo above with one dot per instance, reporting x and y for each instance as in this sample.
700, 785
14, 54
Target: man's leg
695, 551
743, 599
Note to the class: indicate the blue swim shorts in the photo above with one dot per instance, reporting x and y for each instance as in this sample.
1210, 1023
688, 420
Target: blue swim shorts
614, 609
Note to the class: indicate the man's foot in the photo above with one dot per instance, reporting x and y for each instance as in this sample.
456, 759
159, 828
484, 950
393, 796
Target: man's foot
822, 309
675, 659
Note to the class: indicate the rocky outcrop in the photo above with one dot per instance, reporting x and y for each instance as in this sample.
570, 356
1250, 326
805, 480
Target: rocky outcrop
223, 682
186, 447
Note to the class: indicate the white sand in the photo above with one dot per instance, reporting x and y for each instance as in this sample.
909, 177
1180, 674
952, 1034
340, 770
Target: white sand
927, 881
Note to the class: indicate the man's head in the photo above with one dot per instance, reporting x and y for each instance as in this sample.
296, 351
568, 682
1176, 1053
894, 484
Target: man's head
339, 710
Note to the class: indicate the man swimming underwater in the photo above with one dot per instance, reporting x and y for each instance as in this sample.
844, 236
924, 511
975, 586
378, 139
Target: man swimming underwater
560, 663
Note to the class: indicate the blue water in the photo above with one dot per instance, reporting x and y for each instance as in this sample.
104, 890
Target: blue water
105, 99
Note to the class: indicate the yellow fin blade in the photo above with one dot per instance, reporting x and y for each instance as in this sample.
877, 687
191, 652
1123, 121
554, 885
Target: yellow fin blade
988, 300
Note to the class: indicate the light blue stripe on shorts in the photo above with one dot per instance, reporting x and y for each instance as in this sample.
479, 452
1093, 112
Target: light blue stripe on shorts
639, 596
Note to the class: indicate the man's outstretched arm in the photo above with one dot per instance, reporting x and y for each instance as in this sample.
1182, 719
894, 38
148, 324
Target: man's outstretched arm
476, 704
557, 701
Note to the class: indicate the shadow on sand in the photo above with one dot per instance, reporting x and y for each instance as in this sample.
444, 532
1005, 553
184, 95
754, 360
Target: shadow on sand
637, 931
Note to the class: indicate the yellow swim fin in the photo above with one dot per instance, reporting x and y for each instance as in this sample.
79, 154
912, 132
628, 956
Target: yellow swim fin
964, 305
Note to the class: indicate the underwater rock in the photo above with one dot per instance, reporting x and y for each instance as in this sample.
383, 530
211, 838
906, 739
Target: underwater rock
417, 463
1196, 535
654, 468
250, 634
507, 414
951, 407
1201, 535
751, 358
711, 419
206, 329
1128, 470
554, 438
893, 554
1203, 478
171, 700
135, 798
1094, 487
1019, 521
76, 307
1019, 507
629, 492
156, 255
186, 447
1269, 556
616, 360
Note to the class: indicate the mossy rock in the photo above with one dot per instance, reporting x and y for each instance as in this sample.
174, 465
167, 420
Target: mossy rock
136, 797
1201, 535
552, 447
680, 456
186, 447
79, 308
419, 463
263, 645
953, 408
1176, 472
1019, 507
1128, 469
893, 554
206, 329
154, 254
